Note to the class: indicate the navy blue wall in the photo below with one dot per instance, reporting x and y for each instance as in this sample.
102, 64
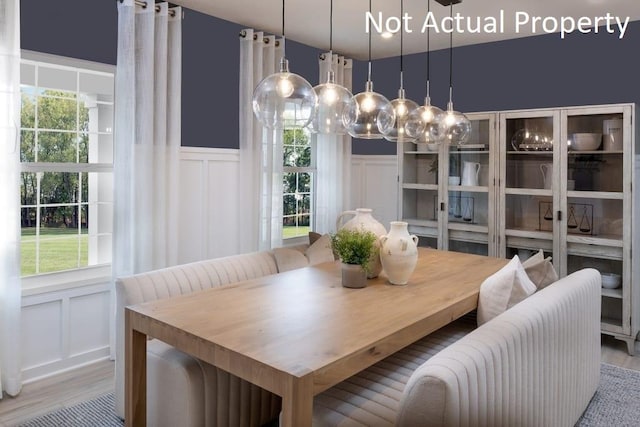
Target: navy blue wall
533, 72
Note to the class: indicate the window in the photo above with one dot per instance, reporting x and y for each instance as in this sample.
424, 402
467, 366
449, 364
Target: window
66, 150
297, 192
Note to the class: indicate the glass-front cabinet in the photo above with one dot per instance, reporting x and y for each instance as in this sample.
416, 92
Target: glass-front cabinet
447, 193
556, 179
566, 187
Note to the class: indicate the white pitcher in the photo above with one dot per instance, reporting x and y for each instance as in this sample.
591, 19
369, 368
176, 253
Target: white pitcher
547, 174
399, 253
363, 220
470, 173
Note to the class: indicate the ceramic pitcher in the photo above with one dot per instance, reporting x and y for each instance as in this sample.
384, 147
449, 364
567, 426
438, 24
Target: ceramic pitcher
547, 174
399, 253
470, 173
362, 219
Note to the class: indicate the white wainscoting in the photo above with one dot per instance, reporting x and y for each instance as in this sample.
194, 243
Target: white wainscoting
65, 327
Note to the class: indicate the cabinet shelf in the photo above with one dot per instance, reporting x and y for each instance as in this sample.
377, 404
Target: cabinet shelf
577, 153
469, 188
612, 293
420, 152
601, 240
604, 195
548, 153
421, 222
475, 228
420, 186
528, 191
530, 234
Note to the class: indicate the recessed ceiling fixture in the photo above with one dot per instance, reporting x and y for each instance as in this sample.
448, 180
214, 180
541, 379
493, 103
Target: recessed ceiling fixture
284, 99
361, 117
333, 99
394, 129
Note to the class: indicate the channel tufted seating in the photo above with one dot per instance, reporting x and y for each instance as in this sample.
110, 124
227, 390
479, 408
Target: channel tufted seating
182, 390
536, 364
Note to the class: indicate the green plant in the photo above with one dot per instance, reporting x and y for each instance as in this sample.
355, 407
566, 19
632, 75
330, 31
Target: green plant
355, 247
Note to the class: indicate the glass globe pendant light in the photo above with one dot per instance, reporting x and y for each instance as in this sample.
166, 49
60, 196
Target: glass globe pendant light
394, 129
333, 99
425, 125
284, 99
457, 127
361, 118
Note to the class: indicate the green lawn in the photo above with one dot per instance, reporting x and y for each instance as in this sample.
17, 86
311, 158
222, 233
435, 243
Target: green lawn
293, 231
58, 250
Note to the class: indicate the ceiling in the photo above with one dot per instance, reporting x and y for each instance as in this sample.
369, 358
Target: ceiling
307, 21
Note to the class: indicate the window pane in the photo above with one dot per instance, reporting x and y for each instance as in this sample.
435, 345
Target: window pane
57, 113
60, 250
304, 182
289, 182
55, 78
289, 207
28, 113
58, 187
28, 187
27, 146
57, 147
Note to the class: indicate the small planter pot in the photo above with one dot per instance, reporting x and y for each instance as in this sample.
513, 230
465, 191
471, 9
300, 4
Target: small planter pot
353, 276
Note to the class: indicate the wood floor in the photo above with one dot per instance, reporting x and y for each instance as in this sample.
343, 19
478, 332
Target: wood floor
90, 381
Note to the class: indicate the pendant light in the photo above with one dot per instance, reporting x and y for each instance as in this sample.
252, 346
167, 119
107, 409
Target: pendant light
457, 126
426, 124
333, 99
362, 114
284, 99
394, 129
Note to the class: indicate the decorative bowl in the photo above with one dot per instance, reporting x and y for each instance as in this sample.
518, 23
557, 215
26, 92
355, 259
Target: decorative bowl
585, 141
432, 146
611, 280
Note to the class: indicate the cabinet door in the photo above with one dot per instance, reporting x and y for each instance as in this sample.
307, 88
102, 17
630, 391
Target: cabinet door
596, 182
469, 190
418, 181
528, 186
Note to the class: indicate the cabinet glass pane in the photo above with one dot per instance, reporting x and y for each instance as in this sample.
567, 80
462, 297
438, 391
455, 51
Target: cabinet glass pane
468, 207
469, 167
420, 205
468, 247
421, 168
595, 217
427, 242
594, 160
529, 148
530, 213
524, 253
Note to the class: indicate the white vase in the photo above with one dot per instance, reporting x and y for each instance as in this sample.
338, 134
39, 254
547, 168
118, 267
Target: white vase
399, 253
363, 220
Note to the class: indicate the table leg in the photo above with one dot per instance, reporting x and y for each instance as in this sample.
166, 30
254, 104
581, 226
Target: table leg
135, 356
297, 403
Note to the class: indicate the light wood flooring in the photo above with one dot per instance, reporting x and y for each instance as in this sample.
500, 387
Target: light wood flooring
94, 380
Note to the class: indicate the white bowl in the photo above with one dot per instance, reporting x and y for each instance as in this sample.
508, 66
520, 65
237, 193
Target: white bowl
585, 141
433, 146
611, 280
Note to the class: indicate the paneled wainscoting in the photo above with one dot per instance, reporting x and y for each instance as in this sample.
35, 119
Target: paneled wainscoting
66, 325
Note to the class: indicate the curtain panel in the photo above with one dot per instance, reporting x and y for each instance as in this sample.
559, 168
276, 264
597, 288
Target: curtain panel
147, 141
10, 285
333, 156
261, 165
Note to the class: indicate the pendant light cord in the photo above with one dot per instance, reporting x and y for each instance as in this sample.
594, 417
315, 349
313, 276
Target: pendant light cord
401, 46
428, 46
331, 27
369, 75
451, 57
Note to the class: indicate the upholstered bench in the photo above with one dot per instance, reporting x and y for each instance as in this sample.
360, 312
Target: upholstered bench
536, 364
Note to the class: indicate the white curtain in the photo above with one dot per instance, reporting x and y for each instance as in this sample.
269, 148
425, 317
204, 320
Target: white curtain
10, 292
333, 157
260, 149
147, 137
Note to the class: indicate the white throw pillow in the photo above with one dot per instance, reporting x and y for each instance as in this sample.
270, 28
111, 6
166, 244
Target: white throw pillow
320, 251
540, 270
289, 259
503, 289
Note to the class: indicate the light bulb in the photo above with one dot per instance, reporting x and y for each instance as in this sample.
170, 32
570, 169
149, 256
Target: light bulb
393, 119
329, 96
362, 116
333, 100
284, 87
457, 126
426, 124
367, 103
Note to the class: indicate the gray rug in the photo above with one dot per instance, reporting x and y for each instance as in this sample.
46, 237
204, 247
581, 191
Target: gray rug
616, 403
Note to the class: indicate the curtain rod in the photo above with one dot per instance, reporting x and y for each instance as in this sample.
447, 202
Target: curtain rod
144, 5
243, 34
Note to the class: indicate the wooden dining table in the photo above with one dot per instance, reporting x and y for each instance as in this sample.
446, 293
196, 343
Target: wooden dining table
300, 332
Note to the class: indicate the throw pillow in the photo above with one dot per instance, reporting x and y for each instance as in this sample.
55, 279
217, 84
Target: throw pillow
540, 270
289, 259
320, 251
313, 237
503, 289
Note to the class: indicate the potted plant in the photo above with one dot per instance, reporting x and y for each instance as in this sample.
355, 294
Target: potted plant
356, 249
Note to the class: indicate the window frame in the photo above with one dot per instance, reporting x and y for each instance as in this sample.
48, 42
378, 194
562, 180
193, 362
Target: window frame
84, 275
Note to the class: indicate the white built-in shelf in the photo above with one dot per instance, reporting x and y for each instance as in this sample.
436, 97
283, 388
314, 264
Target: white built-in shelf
531, 234
577, 153
609, 195
421, 152
532, 153
470, 152
465, 226
612, 293
412, 186
528, 191
469, 188
600, 240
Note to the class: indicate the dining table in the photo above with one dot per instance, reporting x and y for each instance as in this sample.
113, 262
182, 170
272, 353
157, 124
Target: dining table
300, 332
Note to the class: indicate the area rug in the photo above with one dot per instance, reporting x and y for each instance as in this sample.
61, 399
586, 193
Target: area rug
614, 404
